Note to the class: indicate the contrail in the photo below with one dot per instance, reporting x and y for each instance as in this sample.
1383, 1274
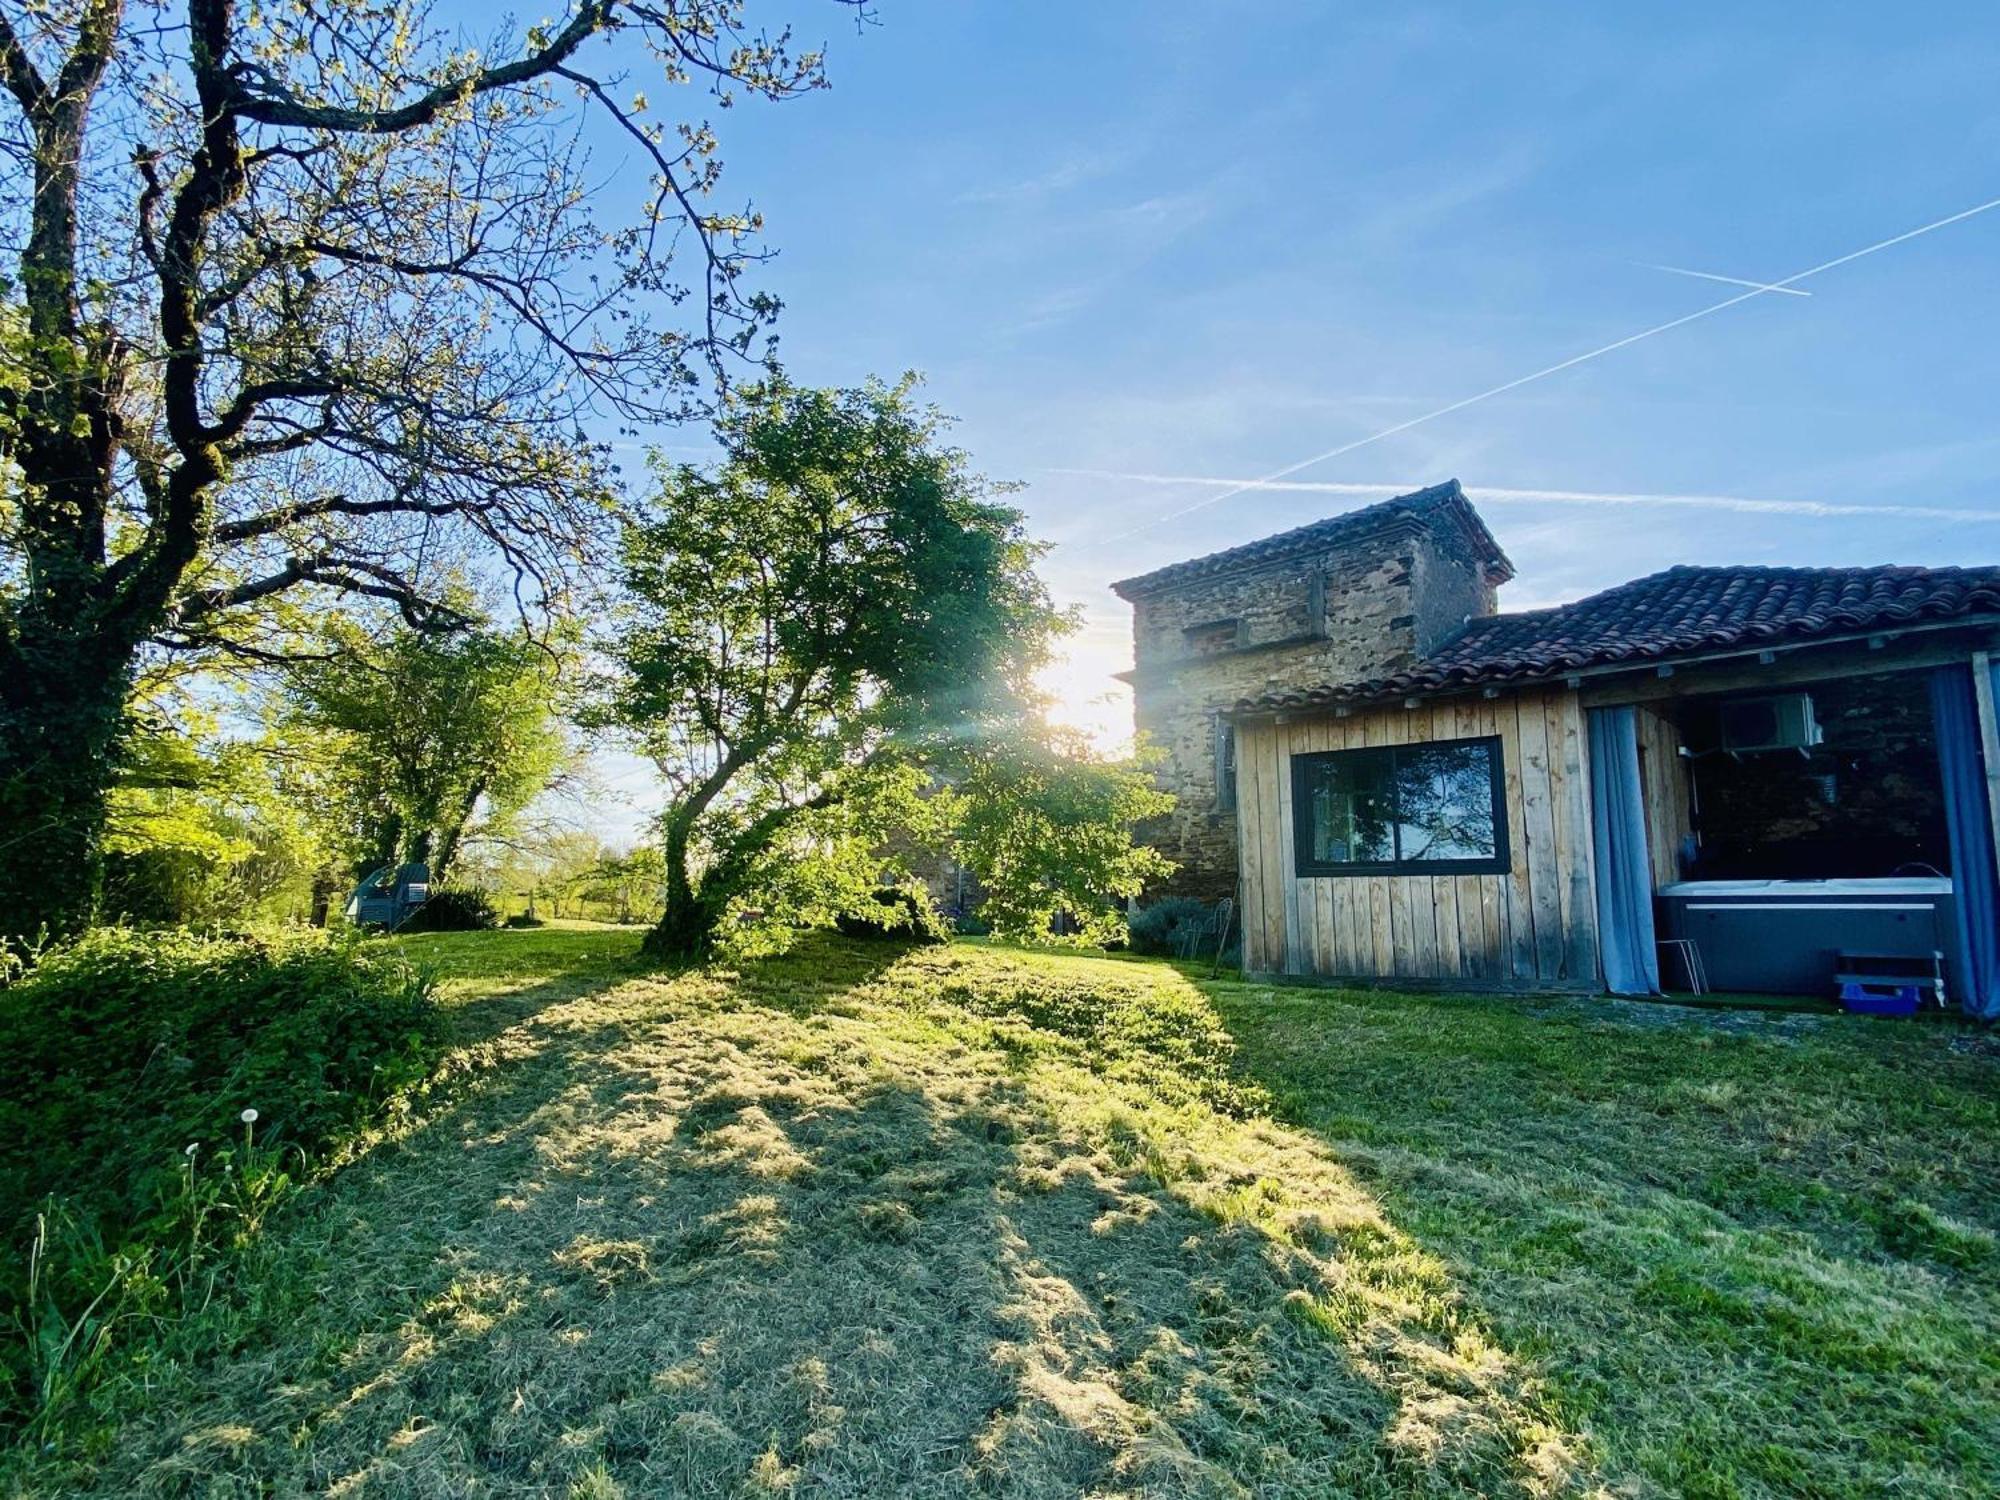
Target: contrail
1762, 286
1502, 495
1568, 364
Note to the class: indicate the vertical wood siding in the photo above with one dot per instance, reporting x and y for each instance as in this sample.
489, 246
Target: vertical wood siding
1669, 793
1535, 925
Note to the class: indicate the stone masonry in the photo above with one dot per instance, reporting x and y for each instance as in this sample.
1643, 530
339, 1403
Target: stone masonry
1353, 597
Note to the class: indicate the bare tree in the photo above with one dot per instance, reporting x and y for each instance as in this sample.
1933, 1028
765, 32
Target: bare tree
312, 301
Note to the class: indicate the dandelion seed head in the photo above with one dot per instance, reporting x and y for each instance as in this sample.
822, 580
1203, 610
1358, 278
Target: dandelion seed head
249, 1117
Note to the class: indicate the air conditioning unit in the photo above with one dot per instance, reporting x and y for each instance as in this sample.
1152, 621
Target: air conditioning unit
1783, 721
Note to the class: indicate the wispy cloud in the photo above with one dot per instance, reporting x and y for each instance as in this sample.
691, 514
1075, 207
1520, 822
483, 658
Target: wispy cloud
1744, 504
1397, 214
1058, 177
1761, 290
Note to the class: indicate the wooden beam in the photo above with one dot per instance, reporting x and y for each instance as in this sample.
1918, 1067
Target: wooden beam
1989, 740
1745, 673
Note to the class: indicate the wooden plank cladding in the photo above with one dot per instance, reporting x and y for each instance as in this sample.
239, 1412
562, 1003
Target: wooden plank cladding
1532, 926
1668, 791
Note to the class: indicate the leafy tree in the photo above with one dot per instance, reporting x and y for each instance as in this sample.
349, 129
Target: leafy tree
829, 654
198, 826
839, 594
198, 830
399, 748
627, 884
1047, 828
564, 862
313, 300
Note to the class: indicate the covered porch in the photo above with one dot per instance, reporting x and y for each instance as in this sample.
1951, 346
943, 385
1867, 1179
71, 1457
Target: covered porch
1815, 822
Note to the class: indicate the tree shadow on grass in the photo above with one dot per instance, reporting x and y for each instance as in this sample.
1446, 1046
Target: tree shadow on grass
1757, 1262
712, 1235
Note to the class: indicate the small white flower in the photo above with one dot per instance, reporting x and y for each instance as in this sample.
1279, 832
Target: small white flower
192, 1147
249, 1117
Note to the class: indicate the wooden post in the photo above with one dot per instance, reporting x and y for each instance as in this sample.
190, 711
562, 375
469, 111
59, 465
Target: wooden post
1989, 739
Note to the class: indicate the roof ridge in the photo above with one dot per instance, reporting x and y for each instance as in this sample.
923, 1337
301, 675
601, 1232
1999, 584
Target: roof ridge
1416, 503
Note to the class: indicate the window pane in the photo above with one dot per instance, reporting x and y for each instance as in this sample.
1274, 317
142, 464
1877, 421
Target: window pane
1444, 801
1352, 822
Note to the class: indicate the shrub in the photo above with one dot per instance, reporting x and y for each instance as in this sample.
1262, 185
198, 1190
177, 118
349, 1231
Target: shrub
154, 1089
904, 912
1157, 929
454, 908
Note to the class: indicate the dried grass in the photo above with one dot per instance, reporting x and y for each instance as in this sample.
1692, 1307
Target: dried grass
867, 1222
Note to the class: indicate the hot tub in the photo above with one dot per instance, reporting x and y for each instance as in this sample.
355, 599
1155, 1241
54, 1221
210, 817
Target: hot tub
1781, 937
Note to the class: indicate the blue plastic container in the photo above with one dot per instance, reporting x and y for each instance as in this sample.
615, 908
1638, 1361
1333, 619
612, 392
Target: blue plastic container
1880, 999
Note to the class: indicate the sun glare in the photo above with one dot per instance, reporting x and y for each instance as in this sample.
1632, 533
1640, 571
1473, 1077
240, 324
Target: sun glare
1086, 695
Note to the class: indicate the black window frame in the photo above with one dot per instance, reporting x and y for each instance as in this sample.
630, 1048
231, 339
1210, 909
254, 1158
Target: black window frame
1500, 862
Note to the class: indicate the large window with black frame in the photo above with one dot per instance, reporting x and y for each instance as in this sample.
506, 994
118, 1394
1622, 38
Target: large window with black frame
1434, 808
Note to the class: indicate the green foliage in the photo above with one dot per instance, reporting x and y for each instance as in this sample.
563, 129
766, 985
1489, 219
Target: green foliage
454, 908
625, 887
1156, 929
902, 912
119, 1049
1048, 830
200, 828
318, 302
132, 1069
398, 747
840, 595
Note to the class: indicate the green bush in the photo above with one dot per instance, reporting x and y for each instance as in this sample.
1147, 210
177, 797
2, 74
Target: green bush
1157, 929
159, 1092
454, 908
905, 912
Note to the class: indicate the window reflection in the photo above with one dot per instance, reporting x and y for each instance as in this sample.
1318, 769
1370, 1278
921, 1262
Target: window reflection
1392, 807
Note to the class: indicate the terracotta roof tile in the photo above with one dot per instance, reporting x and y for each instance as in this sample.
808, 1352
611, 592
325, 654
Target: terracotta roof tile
1683, 611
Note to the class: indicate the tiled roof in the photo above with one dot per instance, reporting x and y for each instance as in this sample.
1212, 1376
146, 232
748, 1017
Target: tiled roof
1440, 503
1683, 611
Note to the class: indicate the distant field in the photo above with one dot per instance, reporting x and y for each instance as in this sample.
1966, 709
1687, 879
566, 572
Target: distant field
868, 1221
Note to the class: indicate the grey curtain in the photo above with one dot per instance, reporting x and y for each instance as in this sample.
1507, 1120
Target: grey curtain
1975, 899
1618, 833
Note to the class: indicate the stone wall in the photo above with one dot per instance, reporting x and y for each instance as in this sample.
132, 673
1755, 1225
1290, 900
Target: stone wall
1363, 609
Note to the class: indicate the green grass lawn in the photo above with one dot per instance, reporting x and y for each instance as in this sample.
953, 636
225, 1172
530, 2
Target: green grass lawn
872, 1221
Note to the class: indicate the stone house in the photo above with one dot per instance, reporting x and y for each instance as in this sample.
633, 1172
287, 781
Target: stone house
1766, 779
1360, 595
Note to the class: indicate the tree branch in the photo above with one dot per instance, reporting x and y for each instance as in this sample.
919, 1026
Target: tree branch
17, 71
87, 59
351, 575
266, 522
278, 107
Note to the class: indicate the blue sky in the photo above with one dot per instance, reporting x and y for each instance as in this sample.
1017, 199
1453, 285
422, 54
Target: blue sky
1205, 242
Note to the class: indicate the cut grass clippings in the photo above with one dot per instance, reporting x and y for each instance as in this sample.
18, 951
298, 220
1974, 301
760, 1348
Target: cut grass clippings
873, 1221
